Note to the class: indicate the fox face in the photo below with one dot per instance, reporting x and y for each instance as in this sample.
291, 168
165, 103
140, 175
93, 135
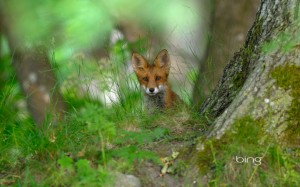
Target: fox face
152, 77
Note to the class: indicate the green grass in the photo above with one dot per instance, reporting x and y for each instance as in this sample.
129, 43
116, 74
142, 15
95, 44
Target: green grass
82, 150
94, 140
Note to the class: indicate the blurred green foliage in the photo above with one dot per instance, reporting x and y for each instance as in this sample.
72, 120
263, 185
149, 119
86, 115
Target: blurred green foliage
84, 24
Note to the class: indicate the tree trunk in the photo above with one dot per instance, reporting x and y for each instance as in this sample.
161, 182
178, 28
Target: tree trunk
244, 62
38, 84
230, 20
35, 75
257, 99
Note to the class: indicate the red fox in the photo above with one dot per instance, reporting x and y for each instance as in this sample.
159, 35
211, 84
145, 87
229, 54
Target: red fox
153, 79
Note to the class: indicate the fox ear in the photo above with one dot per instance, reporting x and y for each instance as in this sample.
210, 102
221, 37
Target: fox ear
138, 62
163, 59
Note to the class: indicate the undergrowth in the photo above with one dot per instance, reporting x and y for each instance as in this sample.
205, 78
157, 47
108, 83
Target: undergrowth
101, 136
97, 137
87, 148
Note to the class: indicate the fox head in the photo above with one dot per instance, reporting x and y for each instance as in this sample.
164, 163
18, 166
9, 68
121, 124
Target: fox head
152, 77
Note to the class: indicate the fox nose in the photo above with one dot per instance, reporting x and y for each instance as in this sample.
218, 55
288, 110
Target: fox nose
151, 90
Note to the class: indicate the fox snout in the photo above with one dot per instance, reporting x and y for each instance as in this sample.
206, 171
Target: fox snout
153, 90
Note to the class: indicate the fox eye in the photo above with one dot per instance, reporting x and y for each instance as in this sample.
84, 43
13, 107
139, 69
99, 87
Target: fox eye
158, 78
145, 79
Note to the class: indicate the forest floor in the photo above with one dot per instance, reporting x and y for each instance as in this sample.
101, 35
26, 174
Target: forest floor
94, 145
105, 146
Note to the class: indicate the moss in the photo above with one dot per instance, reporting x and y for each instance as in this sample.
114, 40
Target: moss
241, 139
288, 78
205, 158
246, 55
246, 138
239, 80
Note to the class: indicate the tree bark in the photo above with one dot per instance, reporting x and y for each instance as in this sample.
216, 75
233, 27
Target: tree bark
261, 81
